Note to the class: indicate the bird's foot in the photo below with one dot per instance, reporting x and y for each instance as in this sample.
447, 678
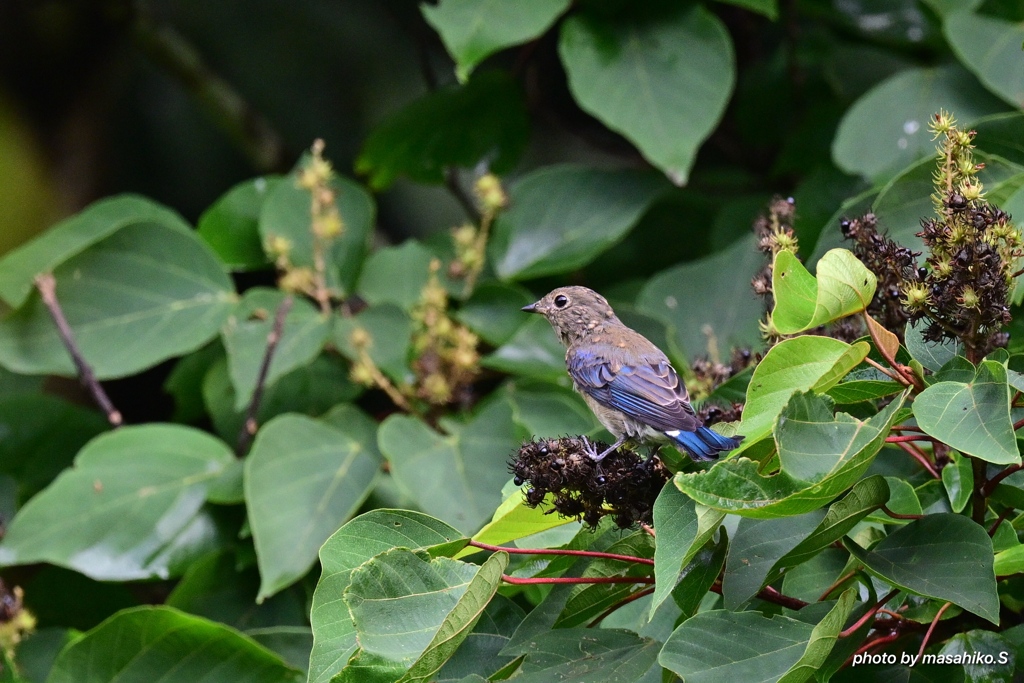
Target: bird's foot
598, 457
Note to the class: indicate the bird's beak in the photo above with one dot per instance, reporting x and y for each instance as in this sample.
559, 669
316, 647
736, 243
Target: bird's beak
532, 308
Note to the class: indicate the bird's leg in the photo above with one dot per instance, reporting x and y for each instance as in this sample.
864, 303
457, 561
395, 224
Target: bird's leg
598, 457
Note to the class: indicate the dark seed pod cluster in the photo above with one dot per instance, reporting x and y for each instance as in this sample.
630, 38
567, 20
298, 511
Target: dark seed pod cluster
713, 413
892, 263
622, 485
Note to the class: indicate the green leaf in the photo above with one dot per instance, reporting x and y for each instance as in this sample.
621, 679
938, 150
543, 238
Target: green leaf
790, 366
390, 330
768, 8
286, 214
943, 556
697, 577
971, 645
129, 509
683, 529
479, 651
887, 128
561, 218
736, 485
456, 476
312, 390
185, 382
474, 29
215, 587
334, 636
144, 294
76, 234
493, 311
1010, 561
549, 411
291, 643
867, 495
592, 655
534, 351
245, 334
843, 286
671, 74
757, 546
513, 520
447, 596
931, 355
863, 390
991, 49
588, 601
973, 418
396, 275
455, 126
903, 500
40, 436
303, 479
231, 225
958, 479
736, 646
711, 293
146, 644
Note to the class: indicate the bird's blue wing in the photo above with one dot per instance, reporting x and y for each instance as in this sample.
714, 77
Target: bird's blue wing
648, 392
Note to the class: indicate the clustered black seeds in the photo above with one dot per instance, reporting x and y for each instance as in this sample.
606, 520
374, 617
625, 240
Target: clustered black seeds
713, 413
892, 263
622, 485
965, 291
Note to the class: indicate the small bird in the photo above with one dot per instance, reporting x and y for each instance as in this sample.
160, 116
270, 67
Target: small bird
626, 380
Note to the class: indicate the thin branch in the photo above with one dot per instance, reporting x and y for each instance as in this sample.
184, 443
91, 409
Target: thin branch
883, 640
574, 579
885, 371
896, 515
648, 529
250, 425
928, 633
920, 457
870, 614
621, 603
991, 484
999, 520
979, 501
247, 127
1018, 424
559, 551
47, 286
906, 428
907, 438
769, 594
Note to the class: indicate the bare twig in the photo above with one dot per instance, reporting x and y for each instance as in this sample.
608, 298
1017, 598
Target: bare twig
907, 438
47, 286
895, 376
896, 515
250, 425
575, 579
837, 583
769, 594
991, 484
621, 603
920, 457
928, 633
870, 614
999, 520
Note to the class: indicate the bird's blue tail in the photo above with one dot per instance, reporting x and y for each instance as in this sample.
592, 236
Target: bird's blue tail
705, 443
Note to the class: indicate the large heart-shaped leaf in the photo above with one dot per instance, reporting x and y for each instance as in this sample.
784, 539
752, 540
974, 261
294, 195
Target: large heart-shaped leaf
129, 509
334, 635
972, 417
662, 79
146, 293
458, 476
474, 29
942, 556
231, 225
790, 366
887, 128
146, 644
303, 479
595, 655
843, 286
562, 217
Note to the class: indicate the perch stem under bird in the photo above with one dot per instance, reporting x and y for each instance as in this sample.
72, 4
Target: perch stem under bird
626, 380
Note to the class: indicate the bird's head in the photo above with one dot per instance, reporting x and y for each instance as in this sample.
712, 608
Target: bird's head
573, 311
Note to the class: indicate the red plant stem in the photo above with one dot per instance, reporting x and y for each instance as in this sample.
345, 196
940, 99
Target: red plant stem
906, 428
1018, 424
838, 582
575, 579
919, 456
906, 438
621, 603
896, 515
991, 484
873, 644
769, 594
557, 551
999, 520
870, 614
928, 633
894, 375
648, 529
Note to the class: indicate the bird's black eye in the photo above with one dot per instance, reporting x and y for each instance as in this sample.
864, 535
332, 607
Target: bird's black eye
561, 301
